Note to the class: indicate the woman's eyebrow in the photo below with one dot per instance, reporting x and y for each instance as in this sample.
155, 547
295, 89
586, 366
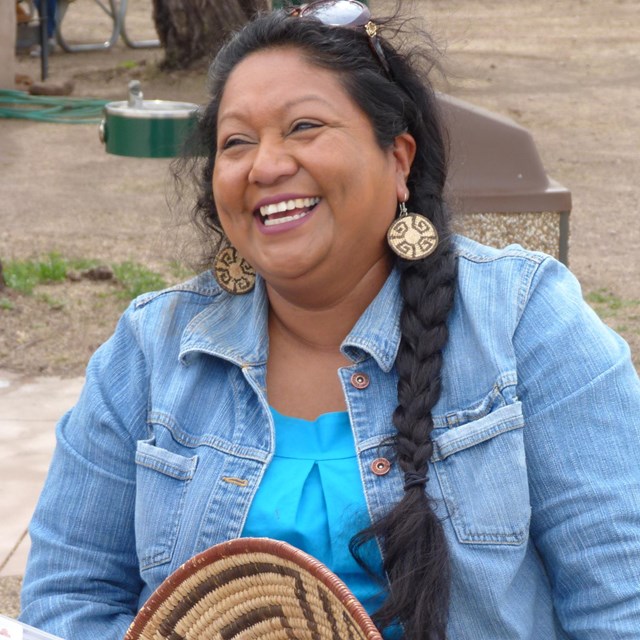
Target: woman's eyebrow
240, 113
314, 97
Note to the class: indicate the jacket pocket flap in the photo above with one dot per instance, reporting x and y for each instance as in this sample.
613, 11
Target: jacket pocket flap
453, 440
166, 462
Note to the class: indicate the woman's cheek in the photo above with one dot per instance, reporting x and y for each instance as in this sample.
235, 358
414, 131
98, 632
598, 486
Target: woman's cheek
229, 184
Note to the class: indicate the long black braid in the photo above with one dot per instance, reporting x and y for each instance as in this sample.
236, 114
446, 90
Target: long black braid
415, 557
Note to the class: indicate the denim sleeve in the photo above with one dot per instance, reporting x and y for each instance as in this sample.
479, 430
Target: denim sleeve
82, 578
581, 399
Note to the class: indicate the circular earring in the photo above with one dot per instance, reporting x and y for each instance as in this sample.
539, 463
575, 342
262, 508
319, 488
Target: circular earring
233, 273
412, 236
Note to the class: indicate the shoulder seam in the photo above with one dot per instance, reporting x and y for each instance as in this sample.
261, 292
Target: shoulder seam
526, 287
501, 254
185, 287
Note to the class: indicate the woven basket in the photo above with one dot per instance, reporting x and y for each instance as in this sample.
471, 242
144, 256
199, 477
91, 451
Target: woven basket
250, 589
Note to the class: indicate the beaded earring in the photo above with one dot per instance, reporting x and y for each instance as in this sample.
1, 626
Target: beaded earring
412, 236
232, 272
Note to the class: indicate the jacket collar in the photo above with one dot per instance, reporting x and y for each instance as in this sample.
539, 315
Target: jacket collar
234, 328
377, 332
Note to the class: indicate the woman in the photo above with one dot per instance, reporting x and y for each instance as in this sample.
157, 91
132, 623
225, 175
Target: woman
461, 416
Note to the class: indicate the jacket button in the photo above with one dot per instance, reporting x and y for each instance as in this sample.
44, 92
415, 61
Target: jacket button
360, 380
380, 466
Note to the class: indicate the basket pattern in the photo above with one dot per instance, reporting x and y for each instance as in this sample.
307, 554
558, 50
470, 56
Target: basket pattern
250, 589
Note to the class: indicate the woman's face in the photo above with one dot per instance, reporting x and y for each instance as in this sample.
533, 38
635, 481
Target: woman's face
301, 186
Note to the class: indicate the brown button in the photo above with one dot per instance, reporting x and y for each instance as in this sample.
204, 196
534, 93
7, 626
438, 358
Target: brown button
380, 466
360, 380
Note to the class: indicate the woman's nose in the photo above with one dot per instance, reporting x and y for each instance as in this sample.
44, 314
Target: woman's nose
271, 162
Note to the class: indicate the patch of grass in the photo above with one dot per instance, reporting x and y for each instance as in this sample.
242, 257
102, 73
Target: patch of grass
604, 297
136, 279
24, 275
128, 64
6, 304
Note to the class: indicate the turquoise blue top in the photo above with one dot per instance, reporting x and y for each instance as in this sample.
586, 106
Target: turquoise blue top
311, 496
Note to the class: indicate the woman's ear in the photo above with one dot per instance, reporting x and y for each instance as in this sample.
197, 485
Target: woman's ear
404, 151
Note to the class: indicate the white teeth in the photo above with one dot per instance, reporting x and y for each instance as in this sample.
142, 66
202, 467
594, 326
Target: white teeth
297, 216
288, 205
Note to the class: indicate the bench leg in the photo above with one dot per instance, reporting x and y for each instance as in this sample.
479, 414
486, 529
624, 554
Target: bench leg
133, 44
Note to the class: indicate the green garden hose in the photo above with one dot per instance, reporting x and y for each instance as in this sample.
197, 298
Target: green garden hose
22, 105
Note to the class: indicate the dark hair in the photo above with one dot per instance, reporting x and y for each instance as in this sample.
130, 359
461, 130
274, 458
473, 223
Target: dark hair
415, 557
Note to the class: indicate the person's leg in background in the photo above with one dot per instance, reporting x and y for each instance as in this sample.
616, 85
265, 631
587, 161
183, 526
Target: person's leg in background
52, 10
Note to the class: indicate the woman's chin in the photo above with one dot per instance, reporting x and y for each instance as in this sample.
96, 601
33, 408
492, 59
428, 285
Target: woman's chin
287, 273
295, 260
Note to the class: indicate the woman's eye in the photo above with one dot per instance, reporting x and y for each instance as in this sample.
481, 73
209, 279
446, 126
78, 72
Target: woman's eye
233, 142
304, 125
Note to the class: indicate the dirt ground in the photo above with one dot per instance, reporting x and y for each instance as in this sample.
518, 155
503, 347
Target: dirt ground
565, 69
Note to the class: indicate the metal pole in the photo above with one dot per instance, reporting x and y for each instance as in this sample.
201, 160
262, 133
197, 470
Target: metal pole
44, 39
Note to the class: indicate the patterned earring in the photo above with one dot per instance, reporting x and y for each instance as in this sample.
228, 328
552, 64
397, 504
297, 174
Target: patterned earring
412, 236
233, 273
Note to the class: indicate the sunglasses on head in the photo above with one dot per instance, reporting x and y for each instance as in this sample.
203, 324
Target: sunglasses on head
345, 13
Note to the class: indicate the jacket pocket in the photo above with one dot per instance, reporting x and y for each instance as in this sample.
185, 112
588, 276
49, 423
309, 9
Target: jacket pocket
162, 479
482, 470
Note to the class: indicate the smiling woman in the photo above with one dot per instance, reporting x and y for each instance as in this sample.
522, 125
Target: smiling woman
446, 426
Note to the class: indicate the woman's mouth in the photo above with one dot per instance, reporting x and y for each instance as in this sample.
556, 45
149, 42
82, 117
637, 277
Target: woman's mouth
286, 211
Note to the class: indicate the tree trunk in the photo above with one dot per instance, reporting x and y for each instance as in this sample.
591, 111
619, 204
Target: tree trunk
193, 30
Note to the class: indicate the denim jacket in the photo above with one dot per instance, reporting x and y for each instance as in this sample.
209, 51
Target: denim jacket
535, 469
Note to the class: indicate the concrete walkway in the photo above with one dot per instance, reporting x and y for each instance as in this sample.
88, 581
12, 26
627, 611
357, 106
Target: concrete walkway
29, 410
